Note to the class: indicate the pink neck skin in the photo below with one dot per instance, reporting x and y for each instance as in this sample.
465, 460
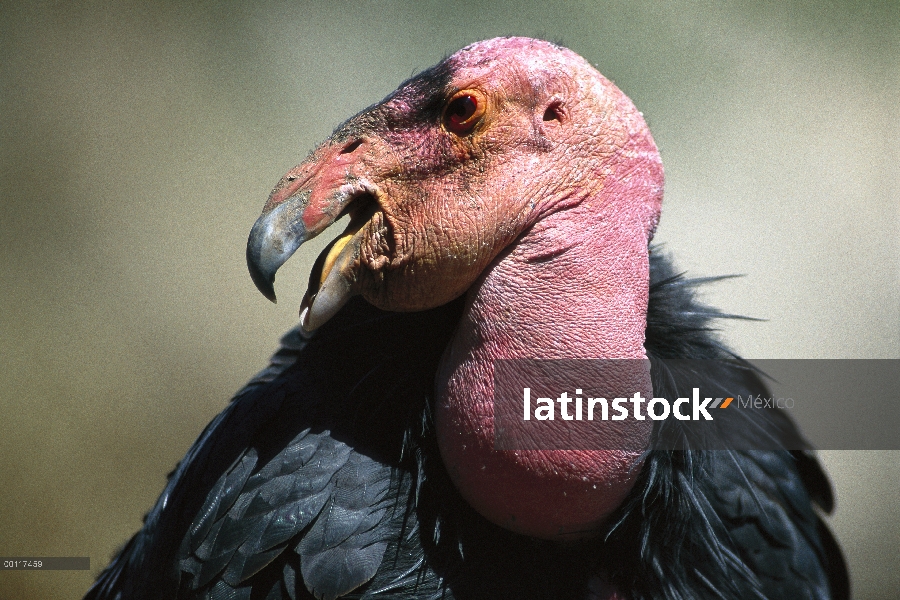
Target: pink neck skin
574, 286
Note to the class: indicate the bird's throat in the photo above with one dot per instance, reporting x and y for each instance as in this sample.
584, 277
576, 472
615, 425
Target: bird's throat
573, 287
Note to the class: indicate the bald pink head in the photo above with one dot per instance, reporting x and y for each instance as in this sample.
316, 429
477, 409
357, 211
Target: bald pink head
515, 173
574, 284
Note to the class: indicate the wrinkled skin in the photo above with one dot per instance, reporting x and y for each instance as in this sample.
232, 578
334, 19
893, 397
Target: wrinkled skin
542, 208
448, 203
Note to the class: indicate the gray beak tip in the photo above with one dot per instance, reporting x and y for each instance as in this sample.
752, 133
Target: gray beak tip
275, 236
264, 281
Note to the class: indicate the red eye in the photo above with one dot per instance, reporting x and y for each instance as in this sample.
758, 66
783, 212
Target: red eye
464, 111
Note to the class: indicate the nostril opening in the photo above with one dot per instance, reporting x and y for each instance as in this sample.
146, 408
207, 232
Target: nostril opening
353, 146
551, 114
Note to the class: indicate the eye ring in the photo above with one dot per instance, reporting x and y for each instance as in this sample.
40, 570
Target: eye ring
464, 111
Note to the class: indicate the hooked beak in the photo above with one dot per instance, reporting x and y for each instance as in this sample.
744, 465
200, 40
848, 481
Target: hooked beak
275, 237
298, 210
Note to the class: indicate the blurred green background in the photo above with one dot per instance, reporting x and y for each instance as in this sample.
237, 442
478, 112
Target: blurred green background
139, 141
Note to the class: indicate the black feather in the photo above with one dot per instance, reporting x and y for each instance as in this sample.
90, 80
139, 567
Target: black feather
323, 479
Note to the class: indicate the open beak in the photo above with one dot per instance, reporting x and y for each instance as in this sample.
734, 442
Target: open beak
303, 205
